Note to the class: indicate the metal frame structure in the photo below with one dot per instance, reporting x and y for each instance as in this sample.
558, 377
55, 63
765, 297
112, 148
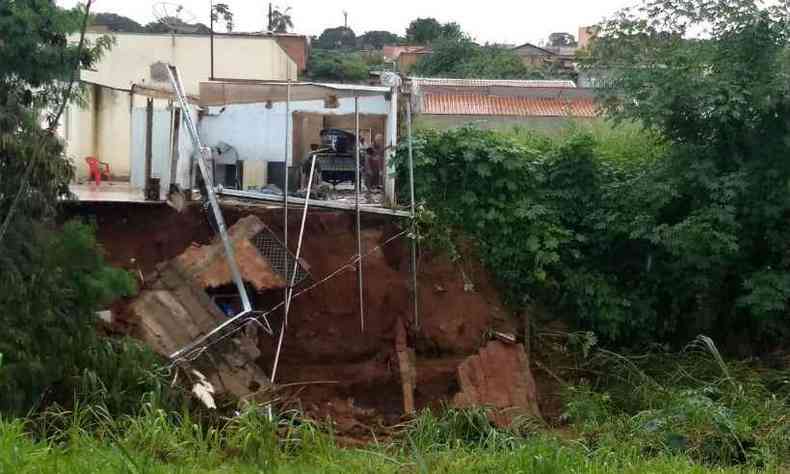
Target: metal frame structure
204, 153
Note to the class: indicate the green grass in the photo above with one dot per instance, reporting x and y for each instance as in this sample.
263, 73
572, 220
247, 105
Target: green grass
691, 412
538, 454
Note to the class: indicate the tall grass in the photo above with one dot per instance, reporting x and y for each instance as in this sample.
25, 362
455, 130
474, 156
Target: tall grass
692, 412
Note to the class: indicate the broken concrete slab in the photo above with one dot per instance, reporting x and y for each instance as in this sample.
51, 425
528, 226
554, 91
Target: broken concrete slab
206, 264
499, 377
175, 310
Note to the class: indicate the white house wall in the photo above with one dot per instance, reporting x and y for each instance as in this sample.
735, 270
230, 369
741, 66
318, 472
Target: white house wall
103, 126
258, 133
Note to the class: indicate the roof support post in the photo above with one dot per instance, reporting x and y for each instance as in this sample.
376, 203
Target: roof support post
393, 81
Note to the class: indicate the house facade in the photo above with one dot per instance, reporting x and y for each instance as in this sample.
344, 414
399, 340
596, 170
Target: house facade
128, 110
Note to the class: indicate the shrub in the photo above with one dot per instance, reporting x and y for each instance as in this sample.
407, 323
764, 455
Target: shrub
52, 284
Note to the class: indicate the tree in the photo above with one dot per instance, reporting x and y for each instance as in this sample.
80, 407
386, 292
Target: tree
720, 225
460, 57
280, 20
117, 23
222, 10
377, 39
336, 66
562, 40
175, 25
452, 31
423, 30
337, 38
52, 281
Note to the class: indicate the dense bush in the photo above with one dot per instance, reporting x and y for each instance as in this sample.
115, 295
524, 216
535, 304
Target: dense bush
552, 218
460, 57
690, 403
670, 232
51, 286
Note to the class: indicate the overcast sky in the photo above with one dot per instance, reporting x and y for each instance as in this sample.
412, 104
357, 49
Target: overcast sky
500, 21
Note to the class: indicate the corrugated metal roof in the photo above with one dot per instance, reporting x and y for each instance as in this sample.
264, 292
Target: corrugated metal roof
443, 104
434, 81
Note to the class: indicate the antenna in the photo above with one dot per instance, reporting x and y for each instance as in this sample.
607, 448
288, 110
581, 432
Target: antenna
177, 18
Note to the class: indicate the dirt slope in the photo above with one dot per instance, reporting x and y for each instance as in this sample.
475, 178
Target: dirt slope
324, 342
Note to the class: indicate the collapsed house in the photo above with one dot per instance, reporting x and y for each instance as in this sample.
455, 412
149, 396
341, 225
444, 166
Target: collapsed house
221, 309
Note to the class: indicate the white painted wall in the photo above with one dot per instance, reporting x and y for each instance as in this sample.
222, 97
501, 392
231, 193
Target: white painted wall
258, 133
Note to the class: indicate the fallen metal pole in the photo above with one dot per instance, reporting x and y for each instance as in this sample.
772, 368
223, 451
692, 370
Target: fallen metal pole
285, 185
414, 294
359, 220
289, 293
334, 205
204, 155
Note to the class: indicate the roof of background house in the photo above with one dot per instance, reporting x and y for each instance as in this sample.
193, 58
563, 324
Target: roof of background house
530, 46
497, 97
445, 104
521, 83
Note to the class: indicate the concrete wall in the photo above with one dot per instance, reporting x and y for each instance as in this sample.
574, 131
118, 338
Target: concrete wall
235, 57
258, 133
100, 128
103, 126
539, 124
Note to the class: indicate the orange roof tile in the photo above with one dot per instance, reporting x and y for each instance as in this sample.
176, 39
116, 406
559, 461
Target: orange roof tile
441, 104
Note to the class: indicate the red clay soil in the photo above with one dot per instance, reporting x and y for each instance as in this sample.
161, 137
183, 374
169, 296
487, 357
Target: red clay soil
326, 356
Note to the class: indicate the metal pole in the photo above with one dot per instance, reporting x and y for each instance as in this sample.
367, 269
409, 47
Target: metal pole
413, 220
204, 154
211, 20
285, 181
359, 219
289, 293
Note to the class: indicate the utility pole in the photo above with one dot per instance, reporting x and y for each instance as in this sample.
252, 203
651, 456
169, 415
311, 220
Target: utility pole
271, 28
211, 21
345, 21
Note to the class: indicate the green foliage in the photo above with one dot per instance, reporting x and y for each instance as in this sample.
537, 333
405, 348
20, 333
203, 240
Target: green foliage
280, 20
720, 101
340, 37
460, 57
673, 230
52, 284
87, 439
117, 23
423, 30
377, 39
547, 217
336, 66
691, 404
53, 281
